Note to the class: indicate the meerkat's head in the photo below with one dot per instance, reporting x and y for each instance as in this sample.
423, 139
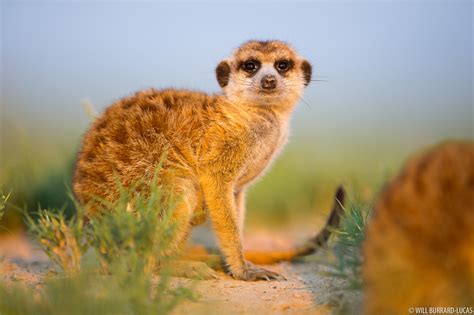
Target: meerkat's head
264, 72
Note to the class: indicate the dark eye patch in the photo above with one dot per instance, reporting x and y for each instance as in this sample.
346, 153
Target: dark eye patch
283, 65
250, 66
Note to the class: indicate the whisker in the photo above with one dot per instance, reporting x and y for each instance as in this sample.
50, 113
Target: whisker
303, 100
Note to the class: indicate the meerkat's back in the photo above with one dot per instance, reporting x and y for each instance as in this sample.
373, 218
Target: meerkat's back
419, 250
131, 137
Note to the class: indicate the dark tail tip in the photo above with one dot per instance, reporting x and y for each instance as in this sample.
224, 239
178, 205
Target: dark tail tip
338, 206
340, 195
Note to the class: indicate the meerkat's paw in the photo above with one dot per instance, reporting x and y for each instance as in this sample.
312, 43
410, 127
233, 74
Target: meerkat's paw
254, 273
193, 269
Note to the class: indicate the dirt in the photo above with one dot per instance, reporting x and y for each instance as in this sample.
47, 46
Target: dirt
302, 292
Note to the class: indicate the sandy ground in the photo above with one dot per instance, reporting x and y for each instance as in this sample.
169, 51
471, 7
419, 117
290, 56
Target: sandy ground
301, 293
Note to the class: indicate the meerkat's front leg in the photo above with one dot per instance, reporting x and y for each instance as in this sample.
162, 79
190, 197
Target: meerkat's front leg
240, 202
221, 204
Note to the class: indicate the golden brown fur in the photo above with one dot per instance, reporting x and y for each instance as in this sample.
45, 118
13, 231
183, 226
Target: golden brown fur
419, 250
215, 145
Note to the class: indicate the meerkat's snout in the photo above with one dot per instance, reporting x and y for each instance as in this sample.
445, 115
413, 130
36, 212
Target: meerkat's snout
268, 82
267, 79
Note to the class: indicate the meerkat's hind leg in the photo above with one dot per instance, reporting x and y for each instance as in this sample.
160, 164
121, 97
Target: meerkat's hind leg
181, 218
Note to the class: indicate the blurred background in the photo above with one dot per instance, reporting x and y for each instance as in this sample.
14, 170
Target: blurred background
396, 77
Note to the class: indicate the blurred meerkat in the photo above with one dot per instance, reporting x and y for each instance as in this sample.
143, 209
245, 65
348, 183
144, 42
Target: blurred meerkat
419, 248
215, 145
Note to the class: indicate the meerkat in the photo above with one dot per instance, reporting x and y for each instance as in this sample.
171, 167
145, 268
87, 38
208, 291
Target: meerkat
215, 145
419, 248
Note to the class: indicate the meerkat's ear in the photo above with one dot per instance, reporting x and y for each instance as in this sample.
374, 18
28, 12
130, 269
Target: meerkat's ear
307, 69
223, 73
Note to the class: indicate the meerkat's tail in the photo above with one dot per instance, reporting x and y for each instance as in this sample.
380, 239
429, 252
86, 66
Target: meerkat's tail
312, 245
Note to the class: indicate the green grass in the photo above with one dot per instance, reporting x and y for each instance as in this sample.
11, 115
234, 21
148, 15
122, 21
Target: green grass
347, 247
107, 267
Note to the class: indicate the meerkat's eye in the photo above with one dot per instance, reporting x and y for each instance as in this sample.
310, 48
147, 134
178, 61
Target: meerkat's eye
251, 66
283, 65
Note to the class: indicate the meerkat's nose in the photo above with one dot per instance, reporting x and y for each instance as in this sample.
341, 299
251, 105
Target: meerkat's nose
268, 82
